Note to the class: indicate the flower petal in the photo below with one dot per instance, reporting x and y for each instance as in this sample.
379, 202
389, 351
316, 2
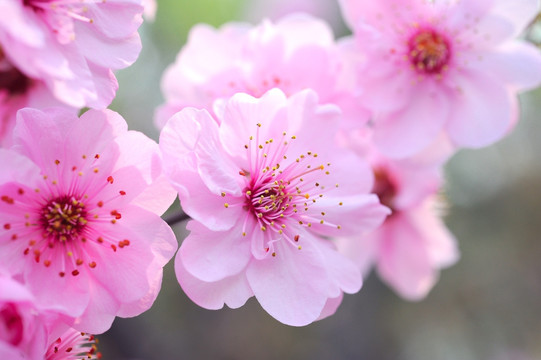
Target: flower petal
211, 256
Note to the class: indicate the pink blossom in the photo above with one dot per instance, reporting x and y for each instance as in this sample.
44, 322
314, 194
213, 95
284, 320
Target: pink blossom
413, 243
295, 53
266, 188
80, 200
23, 334
433, 67
70, 46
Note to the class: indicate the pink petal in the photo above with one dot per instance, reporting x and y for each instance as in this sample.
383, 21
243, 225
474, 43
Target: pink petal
331, 306
441, 244
481, 111
107, 52
343, 273
357, 215
378, 13
216, 169
243, 113
232, 291
291, 286
212, 256
16, 167
68, 294
123, 272
208, 208
516, 63
406, 132
404, 262
143, 154
116, 19
100, 312
520, 13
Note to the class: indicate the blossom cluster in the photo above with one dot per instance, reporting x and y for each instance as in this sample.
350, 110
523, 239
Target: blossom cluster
303, 161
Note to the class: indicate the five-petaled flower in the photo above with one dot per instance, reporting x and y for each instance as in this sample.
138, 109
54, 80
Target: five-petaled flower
80, 203
267, 187
441, 67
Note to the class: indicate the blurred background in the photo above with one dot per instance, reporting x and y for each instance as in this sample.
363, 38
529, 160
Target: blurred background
486, 307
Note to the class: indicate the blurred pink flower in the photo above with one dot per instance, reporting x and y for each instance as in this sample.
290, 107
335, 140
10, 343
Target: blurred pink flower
413, 243
441, 66
79, 210
70, 46
267, 188
295, 53
23, 334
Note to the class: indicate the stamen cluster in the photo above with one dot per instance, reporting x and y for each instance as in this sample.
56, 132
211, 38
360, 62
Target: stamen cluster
429, 51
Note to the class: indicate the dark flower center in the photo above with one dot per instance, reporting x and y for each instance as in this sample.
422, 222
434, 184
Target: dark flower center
64, 218
11, 325
11, 79
429, 52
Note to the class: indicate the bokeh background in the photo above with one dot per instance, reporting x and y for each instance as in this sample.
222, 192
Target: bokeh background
486, 307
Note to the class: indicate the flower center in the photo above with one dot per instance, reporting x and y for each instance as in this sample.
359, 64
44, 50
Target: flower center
384, 188
11, 79
429, 52
280, 193
74, 345
64, 218
11, 325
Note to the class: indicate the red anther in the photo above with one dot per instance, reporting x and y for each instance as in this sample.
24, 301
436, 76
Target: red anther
242, 173
62, 274
97, 156
7, 226
116, 214
110, 179
74, 168
75, 272
7, 199
69, 349
296, 237
79, 262
113, 246
26, 251
47, 263
100, 203
14, 237
122, 192
92, 265
57, 161
20, 191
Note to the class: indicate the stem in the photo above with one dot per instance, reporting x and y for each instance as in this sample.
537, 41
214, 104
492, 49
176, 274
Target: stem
176, 218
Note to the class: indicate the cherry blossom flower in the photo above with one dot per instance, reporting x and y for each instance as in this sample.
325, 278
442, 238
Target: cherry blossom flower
68, 46
433, 67
413, 243
295, 53
266, 188
80, 200
23, 333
